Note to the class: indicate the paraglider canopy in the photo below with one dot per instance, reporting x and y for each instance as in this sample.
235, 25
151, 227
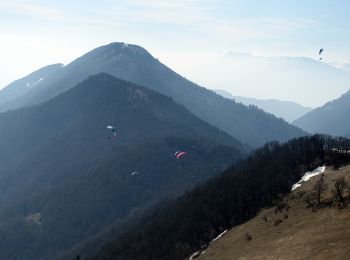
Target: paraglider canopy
134, 173
179, 154
320, 52
112, 128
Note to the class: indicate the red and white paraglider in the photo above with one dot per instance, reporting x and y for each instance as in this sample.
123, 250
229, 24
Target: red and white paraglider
179, 154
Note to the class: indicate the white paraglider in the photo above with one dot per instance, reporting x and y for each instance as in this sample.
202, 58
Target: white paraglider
113, 129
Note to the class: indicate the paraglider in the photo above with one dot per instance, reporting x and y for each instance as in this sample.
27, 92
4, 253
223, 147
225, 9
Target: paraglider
320, 53
180, 154
113, 129
134, 173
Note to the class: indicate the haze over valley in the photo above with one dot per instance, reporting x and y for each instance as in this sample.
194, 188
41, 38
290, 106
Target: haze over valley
171, 130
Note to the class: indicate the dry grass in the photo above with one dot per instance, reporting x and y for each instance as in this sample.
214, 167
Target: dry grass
293, 233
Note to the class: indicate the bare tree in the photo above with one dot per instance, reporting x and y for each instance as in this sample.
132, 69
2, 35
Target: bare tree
265, 218
248, 236
339, 188
314, 199
281, 206
320, 187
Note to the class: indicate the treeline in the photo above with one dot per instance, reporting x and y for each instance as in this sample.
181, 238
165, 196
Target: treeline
174, 230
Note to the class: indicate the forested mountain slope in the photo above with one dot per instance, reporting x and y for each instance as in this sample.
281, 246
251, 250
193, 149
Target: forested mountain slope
332, 118
64, 177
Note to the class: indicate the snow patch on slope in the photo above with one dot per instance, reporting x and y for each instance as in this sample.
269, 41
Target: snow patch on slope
203, 251
309, 175
219, 236
194, 255
33, 84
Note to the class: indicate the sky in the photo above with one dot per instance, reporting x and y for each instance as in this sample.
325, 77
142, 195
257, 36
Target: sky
182, 34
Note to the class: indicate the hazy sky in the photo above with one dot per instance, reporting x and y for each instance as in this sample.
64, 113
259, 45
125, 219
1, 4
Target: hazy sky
182, 34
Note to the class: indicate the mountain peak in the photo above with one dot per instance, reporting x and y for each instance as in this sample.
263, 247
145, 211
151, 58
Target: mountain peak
124, 45
117, 46
118, 50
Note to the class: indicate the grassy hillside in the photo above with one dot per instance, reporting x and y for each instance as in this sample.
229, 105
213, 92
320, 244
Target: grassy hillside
296, 232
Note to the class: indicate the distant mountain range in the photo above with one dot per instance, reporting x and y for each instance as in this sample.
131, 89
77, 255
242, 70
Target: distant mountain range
287, 110
135, 64
332, 118
283, 78
65, 177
